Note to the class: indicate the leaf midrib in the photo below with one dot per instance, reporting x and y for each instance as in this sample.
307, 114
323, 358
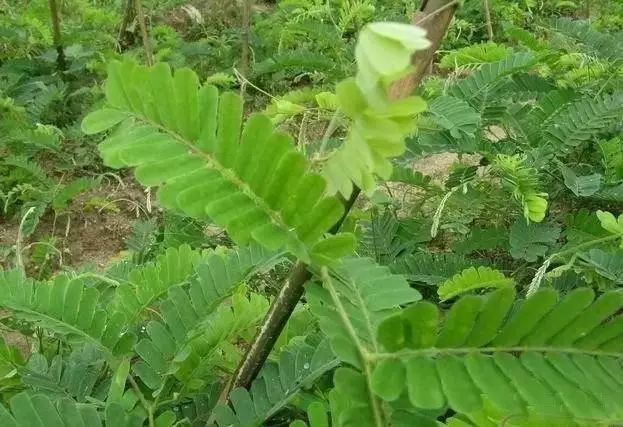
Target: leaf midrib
227, 173
434, 351
74, 330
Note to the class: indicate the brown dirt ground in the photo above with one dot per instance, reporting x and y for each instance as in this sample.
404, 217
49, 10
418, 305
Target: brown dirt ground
93, 229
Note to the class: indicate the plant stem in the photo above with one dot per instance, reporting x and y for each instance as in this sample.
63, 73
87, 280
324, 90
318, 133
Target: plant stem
280, 311
148, 407
247, 6
487, 13
149, 55
437, 14
434, 16
584, 246
365, 358
56, 36
128, 16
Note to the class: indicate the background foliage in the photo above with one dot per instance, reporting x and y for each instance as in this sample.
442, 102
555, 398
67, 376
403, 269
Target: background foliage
482, 292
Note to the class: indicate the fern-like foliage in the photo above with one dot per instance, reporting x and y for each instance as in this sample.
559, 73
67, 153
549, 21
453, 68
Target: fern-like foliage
75, 375
177, 343
471, 279
187, 139
27, 410
581, 120
572, 345
482, 239
367, 293
355, 299
590, 41
612, 159
477, 86
430, 269
300, 363
474, 56
213, 273
408, 175
381, 238
68, 307
150, 281
454, 115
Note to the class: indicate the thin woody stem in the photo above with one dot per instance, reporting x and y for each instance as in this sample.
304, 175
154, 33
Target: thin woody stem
56, 35
149, 55
280, 311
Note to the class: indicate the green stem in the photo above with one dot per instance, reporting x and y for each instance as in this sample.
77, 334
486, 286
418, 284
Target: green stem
278, 314
365, 356
56, 35
148, 407
583, 246
140, 17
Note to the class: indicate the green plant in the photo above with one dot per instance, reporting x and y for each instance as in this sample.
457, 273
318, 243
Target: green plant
488, 294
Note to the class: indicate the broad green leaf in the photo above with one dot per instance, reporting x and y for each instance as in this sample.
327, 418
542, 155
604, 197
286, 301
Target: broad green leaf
581, 186
388, 379
101, 120
531, 241
610, 223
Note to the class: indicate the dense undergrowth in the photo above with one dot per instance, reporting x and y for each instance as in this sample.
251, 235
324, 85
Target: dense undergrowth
486, 294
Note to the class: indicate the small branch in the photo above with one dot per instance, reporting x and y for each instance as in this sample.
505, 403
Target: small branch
56, 36
247, 6
487, 13
436, 12
280, 311
149, 55
128, 17
435, 17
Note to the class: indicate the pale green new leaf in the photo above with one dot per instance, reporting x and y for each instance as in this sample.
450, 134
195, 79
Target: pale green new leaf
472, 279
524, 184
611, 223
380, 123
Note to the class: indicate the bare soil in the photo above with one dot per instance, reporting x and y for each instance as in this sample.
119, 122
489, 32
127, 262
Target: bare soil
92, 230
